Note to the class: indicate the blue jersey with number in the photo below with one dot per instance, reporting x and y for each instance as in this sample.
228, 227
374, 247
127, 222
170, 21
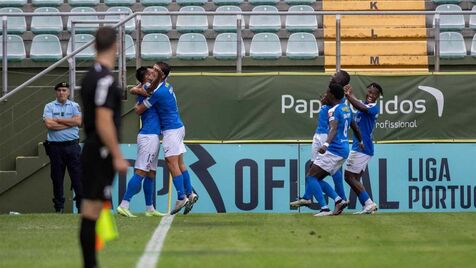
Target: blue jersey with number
323, 120
366, 122
149, 118
164, 97
343, 115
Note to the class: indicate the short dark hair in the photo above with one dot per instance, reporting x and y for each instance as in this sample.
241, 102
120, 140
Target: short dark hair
377, 86
337, 90
105, 38
164, 67
342, 78
62, 84
140, 74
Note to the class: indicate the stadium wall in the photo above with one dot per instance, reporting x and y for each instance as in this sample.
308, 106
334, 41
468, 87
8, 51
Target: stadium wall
278, 108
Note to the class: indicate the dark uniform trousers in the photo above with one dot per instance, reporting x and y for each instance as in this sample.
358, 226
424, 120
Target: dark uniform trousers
65, 155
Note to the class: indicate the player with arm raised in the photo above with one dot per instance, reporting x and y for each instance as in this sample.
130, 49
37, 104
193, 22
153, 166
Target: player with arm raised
366, 118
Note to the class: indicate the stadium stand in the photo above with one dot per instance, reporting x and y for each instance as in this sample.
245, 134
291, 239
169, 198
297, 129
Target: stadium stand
46, 24
15, 48
46, 47
302, 46
79, 40
155, 2
14, 24
83, 2
198, 23
265, 46
300, 23
156, 23
192, 46
130, 25
226, 23
130, 47
12, 3
119, 2
47, 3
191, 2
472, 19
83, 28
227, 2
452, 45
156, 47
263, 2
473, 46
265, 23
225, 47
450, 22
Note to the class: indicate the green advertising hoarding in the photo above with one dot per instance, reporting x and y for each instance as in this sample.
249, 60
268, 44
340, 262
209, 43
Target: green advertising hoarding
285, 106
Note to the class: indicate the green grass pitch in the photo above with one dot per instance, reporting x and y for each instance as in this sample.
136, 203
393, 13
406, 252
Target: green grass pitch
253, 240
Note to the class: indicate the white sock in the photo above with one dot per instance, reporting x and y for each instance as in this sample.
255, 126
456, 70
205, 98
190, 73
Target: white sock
338, 199
124, 204
324, 207
150, 208
368, 202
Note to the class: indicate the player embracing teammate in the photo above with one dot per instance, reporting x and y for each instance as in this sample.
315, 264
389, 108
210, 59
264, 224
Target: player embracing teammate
330, 147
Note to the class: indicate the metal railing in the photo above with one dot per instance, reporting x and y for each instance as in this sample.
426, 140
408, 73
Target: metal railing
138, 15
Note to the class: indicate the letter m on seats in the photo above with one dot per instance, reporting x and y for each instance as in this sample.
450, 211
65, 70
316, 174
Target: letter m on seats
374, 60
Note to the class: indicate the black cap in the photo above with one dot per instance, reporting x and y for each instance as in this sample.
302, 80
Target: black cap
62, 84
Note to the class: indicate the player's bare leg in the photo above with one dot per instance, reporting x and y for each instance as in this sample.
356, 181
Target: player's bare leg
353, 179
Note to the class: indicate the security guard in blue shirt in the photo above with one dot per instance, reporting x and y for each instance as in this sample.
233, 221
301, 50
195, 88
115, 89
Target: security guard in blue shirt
62, 118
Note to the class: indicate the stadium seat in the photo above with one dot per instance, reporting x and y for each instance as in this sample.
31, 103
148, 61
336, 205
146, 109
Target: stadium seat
198, 23
83, 28
226, 23
130, 24
119, 2
156, 47
155, 2
472, 19
46, 24
191, 2
83, 2
265, 23
227, 2
263, 2
14, 24
130, 47
46, 47
47, 3
192, 46
300, 2
156, 23
452, 45
12, 3
439, 2
300, 23
15, 48
226, 45
450, 22
302, 46
473, 46
79, 40
265, 46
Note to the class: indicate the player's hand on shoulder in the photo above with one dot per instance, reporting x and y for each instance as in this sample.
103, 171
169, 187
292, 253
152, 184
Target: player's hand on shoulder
348, 90
120, 165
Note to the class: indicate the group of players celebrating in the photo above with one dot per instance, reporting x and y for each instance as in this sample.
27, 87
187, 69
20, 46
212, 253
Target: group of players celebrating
330, 146
158, 110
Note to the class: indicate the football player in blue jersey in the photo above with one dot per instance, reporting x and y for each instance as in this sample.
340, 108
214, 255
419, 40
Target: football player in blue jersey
335, 150
173, 131
366, 117
320, 137
148, 145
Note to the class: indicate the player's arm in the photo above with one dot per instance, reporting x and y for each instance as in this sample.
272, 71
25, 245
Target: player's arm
357, 134
354, 101
138, 90
140, 108
330, 136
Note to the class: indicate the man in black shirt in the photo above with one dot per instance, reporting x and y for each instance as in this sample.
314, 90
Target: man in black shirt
101, 156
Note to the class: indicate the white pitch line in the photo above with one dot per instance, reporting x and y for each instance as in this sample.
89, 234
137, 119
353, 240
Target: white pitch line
152, 251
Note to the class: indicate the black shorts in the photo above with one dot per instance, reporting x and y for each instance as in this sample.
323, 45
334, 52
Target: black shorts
97, 172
